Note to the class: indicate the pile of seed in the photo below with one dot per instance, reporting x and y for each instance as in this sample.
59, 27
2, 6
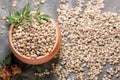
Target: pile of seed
91, 40
34, 39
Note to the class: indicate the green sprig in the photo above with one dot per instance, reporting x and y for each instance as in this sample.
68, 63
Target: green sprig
6, 61
23, 15
39, 9
39, 19
45, 16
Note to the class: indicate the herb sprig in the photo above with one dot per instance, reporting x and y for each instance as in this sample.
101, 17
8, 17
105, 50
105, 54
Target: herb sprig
6, 61
21, 17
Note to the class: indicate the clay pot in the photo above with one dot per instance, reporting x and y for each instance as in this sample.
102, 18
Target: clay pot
40, 59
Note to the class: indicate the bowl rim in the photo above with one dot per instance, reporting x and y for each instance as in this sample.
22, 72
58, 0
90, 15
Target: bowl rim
48, 55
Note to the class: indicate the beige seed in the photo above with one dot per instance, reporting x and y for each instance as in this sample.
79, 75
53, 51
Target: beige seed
14, 5
1, 33
4, 17
43, 1
36, 3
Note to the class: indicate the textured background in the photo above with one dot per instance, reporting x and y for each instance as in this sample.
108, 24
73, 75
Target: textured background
50, 8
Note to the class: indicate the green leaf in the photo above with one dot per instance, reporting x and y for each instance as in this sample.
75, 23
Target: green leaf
38, 19
28, 7
17, 24
30, 18
6, 61
10, 19
39, 9
38, 69
26, 11
45, 16
17, 17
1, 63
18, 13
24, 22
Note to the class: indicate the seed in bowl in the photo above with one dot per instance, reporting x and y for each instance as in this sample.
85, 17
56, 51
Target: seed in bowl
32, 41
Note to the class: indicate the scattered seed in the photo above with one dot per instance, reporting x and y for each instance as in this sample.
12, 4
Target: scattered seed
3, 27
4, 17
87, 40
14, 4
36, 4
1, 33
43, 1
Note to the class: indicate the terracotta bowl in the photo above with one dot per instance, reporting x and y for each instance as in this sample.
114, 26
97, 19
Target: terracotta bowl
40, 59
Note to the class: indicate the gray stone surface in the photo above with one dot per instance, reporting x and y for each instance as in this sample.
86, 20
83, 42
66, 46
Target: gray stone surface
50, 8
